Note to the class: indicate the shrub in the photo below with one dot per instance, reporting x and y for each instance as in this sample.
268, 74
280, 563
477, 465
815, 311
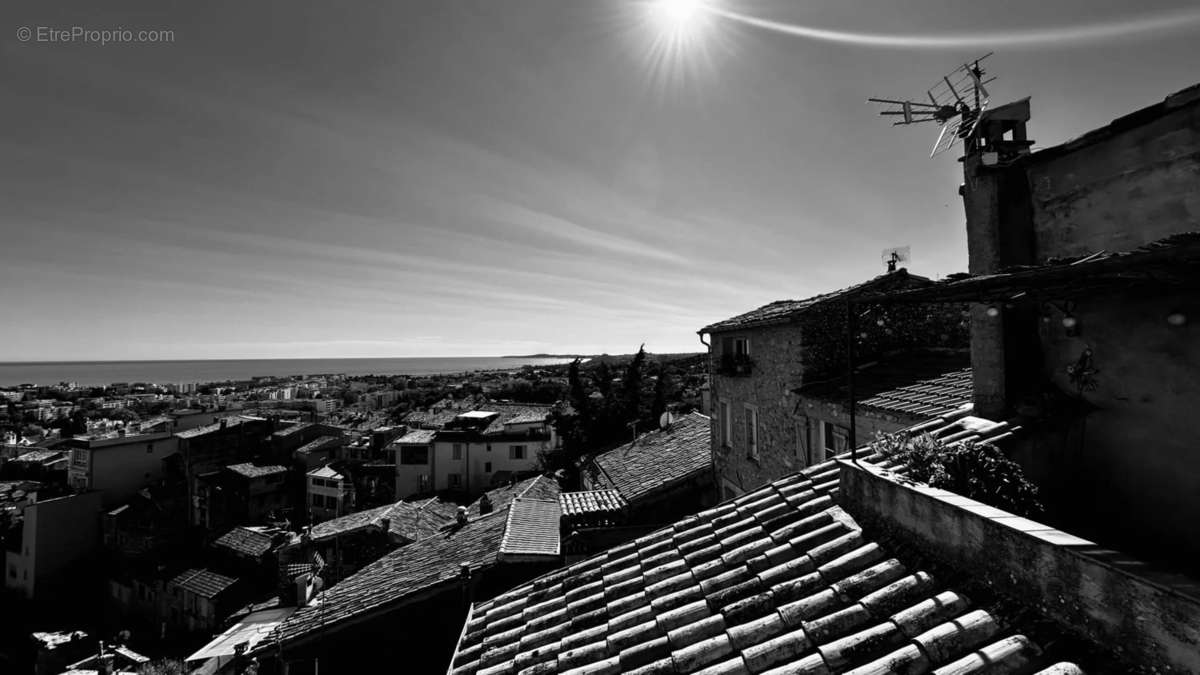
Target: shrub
979, 471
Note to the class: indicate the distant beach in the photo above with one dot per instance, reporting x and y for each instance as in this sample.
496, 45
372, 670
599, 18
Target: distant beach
95, 373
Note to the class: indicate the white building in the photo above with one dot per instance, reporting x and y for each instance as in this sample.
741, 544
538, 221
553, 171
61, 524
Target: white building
329, 494
476, 450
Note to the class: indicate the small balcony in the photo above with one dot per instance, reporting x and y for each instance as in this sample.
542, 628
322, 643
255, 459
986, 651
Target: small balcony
735, 365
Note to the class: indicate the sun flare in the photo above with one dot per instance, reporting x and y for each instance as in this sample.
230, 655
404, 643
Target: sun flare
682, 37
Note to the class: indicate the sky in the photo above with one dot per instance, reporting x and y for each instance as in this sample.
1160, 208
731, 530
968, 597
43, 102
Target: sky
467, 178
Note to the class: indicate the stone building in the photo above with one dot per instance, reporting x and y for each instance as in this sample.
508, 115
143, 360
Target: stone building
758, 359
1085, 262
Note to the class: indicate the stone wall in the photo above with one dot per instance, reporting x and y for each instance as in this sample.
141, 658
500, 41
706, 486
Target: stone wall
776, 355
811, 347
1144, 618
1122, 186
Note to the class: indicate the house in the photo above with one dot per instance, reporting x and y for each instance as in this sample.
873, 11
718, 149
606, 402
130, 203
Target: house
226, 440
408, 605
240, 494
119, 463
759, 358
51, 543
198, 600
889, 395
475, 450
663, 474
349, 543
1084, 264
329, 494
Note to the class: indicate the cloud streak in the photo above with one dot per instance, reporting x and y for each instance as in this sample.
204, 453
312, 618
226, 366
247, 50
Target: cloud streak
1043, 37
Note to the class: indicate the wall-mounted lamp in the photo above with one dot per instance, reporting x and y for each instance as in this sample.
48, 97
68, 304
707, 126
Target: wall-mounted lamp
1070, 323
993, 311
1176, 319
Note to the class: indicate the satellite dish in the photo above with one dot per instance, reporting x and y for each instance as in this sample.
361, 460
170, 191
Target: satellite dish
894, 257
664, 420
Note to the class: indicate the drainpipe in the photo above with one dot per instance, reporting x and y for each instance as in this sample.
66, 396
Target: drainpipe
712, 397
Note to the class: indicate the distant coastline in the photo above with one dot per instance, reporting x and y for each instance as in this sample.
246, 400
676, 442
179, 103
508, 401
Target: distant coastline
101, 373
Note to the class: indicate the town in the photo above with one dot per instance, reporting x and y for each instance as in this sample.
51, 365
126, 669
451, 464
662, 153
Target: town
795, 462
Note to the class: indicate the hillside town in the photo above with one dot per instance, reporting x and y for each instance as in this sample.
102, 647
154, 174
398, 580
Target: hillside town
905, 475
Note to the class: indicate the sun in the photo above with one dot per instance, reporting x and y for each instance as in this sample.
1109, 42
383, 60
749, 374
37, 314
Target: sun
681, 38
679, 18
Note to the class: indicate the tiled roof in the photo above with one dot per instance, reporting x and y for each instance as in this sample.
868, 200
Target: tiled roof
430, 418
254, 471
390, 580
538, 487
205, 583
591, 501
658, 459
916, 385
514, 413
246, 541
39, 456
435, 559
779, 580
418, 436
325, 472
320, 443
411, 520
783, 311
532, 528
224, 423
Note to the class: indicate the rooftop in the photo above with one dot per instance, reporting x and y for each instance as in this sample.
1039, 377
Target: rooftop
254, 471
253, 542
784, 311
202, 582
658, 459
916, 385
780, 580
325, 472
426, 564
417, 437
591, 502
410, 520
223, 423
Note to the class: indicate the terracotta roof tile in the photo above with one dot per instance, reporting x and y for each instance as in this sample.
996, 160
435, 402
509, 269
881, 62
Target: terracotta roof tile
203, 582
591, 502
658, 459
783, 311
247, 541
532, 528
742, 588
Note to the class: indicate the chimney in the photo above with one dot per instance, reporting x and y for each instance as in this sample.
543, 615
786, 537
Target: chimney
999, 214
485, 504
461, 517
385, 526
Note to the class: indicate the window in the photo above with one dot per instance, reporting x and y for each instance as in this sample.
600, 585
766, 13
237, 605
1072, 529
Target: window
833, 439
487, 467
455, 480
414, 456
726, 422
516, 452
456, 451
752, 432
149, 448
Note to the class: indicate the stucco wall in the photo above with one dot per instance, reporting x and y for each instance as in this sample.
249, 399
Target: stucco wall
1087, 591
119, 471
1138, 461
1130, 186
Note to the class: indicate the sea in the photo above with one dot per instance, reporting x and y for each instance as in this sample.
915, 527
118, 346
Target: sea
95, 373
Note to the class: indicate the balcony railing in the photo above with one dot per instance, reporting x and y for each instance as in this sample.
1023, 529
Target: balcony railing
735, 365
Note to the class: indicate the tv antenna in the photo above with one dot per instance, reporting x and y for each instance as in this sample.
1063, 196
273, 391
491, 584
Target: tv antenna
893, 257
956, 103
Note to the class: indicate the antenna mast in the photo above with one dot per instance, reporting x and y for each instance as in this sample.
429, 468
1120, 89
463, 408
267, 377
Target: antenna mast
956, 104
